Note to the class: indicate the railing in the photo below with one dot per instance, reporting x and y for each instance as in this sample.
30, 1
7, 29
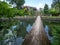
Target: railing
37, 35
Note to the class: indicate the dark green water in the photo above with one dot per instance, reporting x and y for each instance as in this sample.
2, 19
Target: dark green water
14, 32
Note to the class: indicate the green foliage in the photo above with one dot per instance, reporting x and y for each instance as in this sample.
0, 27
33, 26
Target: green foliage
22, 12
3, 7
56, 5
55, 30
55, 2
32, 11
6, 11
54, 12
46, 9
41, 11
19, 3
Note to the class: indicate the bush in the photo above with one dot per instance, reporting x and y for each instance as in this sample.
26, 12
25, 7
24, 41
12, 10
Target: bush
54, 12
5, 10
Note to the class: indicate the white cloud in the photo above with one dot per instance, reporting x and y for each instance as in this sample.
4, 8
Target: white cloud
1, 0
40, 5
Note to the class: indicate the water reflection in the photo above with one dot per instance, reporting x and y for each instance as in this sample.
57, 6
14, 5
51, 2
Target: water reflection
47, 33
13, 27
18, 41
21, 28
47, 30
28, 28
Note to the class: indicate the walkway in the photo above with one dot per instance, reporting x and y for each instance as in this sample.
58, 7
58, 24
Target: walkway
37, 34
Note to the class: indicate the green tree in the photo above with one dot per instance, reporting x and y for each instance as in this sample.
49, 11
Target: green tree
56, 5
41, 11
19, 3
3, 7
6, 11
46, 9
55, 30
55, 2
53, 11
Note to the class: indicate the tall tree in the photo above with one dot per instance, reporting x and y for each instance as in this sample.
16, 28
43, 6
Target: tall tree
56, 5
46, 8
6, 10
19, 3
55, 2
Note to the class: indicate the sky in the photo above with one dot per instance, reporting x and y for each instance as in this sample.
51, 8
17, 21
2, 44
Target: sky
38, 3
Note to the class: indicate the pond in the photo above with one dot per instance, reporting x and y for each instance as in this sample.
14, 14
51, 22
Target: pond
17, 32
